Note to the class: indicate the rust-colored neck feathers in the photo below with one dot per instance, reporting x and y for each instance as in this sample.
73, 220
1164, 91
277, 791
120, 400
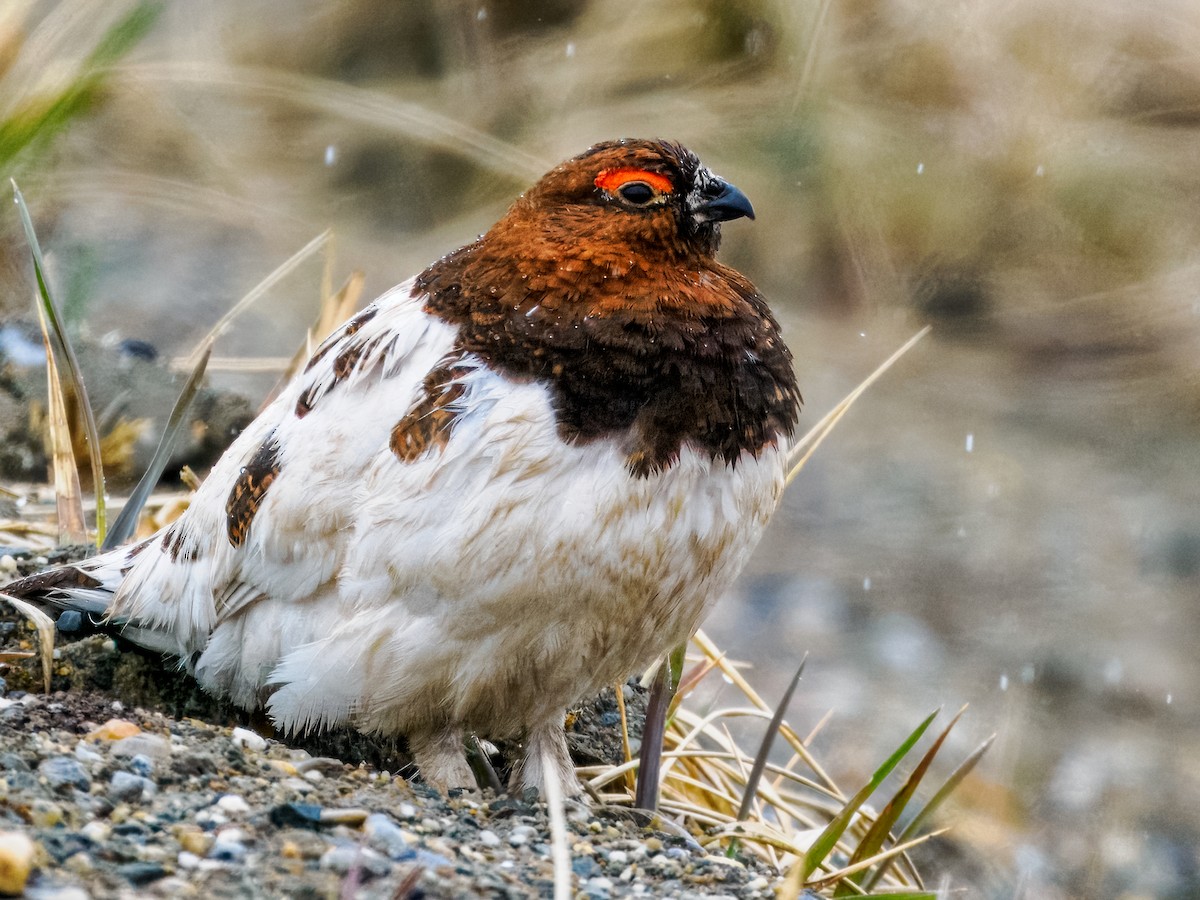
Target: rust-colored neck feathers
620, 307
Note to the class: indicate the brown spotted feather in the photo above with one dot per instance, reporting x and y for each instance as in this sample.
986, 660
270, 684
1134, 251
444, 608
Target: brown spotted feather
250, 488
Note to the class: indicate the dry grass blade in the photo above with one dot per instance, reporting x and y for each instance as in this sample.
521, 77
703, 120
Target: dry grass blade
356, 104
256, 293
68, 495
804, 448
764, 751
710, 649
336, 308
689, 681
50, 310
840, 875
126, 523
45, 630
626, 747
560, 850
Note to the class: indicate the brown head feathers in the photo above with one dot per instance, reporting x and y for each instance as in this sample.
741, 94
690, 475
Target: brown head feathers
601, 282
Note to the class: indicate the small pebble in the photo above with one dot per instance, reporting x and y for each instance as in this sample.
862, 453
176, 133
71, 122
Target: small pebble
44, 814
114, 730
406, 811
488, 838
522, 834
233, 804
152, 745
584, 866
599, 887
198, 843
16, 862
229, 846
63, 773
385, 835
86, 754
248, 740
142, 765
96, 831
342, 859
125, 787
139, 873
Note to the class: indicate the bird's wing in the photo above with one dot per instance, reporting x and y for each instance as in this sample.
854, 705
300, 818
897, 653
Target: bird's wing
273, 518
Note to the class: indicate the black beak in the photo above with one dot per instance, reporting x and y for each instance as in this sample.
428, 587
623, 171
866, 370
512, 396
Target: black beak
721, 202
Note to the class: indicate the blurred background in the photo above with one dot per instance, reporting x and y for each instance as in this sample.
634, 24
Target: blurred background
1009, 519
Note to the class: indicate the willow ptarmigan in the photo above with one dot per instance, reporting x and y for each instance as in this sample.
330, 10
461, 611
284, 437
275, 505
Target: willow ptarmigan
506, 483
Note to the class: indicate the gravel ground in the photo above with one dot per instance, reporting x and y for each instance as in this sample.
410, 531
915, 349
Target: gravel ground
127, 781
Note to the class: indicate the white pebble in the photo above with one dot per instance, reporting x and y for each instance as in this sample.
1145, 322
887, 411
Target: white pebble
233, 804
7, 563
96, 831
247, 739
406, 811
84, 753
489, 838
618, 857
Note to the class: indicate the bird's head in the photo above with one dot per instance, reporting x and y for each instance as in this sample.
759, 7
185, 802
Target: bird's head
645, 194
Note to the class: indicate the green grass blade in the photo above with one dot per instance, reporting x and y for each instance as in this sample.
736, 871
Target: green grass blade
827, 840
125, 34
63, 345
40, 122
126, 522
873, 841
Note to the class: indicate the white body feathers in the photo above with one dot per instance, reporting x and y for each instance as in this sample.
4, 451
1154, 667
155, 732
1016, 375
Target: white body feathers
485, 585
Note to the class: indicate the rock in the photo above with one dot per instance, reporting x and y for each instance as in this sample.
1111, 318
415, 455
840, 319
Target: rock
114, 730
16, 862
488, 838
296, 815
96, 831
248, 740
386, 836
233, 805
342, 859
125, 787
44, 814
63, 773
139, 873
154, 746
230, 846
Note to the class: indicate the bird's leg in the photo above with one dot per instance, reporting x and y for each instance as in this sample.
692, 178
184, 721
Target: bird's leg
440, 758
545, 751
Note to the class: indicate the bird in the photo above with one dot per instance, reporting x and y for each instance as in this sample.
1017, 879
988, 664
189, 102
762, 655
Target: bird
509, 482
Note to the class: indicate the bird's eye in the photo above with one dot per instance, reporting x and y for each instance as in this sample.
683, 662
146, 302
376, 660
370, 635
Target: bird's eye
637, 187
636, 192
